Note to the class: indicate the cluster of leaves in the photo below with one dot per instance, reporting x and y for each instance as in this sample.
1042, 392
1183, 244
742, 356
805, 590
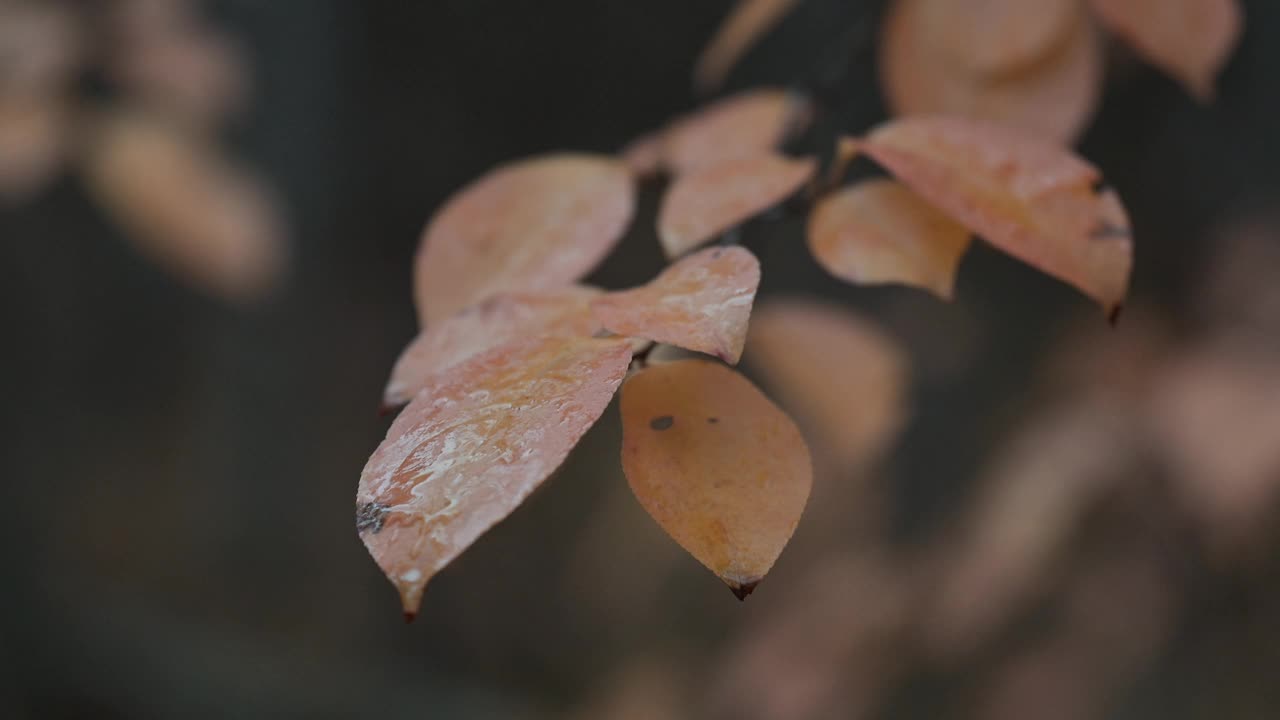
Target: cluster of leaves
1035, 64
515, 361
149, 151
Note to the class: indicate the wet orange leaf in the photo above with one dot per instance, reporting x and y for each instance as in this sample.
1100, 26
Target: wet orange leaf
879, 231
1189, 39
746, 24
473, 444
1035, 65
717, 465
486, 325
187, 208
841, 375
739, 126
701, 302
1031, 199
702, 204
534, 224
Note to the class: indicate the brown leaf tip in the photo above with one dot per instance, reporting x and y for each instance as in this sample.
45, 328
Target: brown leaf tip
742, 590
1113, 314
662, 423
409, 616
370, 516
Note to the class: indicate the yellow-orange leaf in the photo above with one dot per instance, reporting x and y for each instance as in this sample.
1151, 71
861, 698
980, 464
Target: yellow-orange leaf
746, 24
1189, 39
740, 126
1029, 198
842, 376
1035, 65
187, 208
534, 224
472, 446
702, 303
702, 204
486, 325
879, 231
717, 465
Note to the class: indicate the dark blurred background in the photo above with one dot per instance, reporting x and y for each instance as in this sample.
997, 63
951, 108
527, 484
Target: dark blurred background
179, 468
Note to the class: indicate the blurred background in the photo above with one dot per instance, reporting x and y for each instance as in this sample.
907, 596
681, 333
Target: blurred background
207, 218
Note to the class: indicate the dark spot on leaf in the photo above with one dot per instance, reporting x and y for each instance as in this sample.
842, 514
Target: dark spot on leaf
715, 254
713, 420
370, 516
662, 423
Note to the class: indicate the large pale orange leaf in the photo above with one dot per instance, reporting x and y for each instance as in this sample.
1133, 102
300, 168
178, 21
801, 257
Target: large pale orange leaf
535, 224
739, 126
1035, 65
841, 375
702, 303
186, 207
1029, 198
746, 24
717, 465
486, 325
702, 204
473, 444
879, 231
1189, 39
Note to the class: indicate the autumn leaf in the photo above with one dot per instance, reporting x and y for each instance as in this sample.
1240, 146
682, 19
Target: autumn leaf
188, 72
1215, 414
999, 37
535, 224
746, 24
496, 321
1189, 39
42, 46
702, 204
1033, 64
717, 465
187, 208
1032, 502
1028, 198
879, 231
740, 126
844, 379
473, 444
35, 139
701, 302
644, 154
